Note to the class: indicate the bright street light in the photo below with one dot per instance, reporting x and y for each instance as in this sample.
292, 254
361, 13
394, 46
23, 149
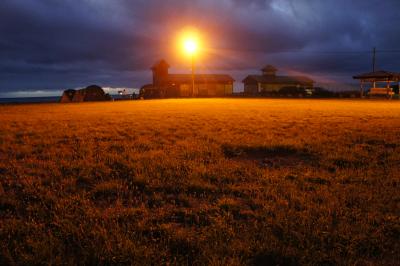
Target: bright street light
190, 46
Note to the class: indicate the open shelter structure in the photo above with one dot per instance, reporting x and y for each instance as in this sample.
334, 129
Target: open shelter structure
386, 77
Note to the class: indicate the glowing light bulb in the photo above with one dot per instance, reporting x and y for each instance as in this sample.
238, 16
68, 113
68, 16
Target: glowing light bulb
190, 46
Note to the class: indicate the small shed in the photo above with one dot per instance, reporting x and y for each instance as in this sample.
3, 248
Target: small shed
376, 77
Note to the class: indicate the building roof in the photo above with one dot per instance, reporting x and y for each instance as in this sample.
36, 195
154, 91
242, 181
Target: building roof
199, 78
379, 75
269, 68
161, 63
279, 79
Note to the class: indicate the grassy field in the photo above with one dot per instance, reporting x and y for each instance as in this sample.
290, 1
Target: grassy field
201, 181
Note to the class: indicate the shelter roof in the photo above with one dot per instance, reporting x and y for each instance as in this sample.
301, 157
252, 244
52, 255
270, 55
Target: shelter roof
378, 75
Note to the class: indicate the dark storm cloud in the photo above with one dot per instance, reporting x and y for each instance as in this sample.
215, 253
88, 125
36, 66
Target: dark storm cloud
57, 44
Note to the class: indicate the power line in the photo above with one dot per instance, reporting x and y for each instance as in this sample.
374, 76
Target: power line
339, 52
388, 51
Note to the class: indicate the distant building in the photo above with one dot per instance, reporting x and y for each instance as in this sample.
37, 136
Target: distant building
167, 85
269, 82
92, 93
125, 95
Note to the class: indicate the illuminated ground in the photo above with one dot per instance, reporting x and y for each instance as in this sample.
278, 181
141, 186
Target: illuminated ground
215, 181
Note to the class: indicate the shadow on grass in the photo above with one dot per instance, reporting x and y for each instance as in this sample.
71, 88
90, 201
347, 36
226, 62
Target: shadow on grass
272, 258
270, 156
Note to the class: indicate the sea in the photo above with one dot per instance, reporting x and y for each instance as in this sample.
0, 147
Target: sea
50, 99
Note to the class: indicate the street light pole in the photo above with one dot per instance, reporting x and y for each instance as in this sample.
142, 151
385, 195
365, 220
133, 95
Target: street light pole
190, 46
192, 75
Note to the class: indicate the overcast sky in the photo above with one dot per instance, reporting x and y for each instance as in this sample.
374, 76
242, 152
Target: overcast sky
58, 44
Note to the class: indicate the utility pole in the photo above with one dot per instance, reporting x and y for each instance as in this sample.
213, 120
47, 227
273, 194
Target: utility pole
373, 59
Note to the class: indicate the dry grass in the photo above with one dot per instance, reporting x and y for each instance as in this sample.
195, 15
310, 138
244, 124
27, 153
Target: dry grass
215, 181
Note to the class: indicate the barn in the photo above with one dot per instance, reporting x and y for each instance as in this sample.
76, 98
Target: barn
167, 85
269, 82
91, 93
